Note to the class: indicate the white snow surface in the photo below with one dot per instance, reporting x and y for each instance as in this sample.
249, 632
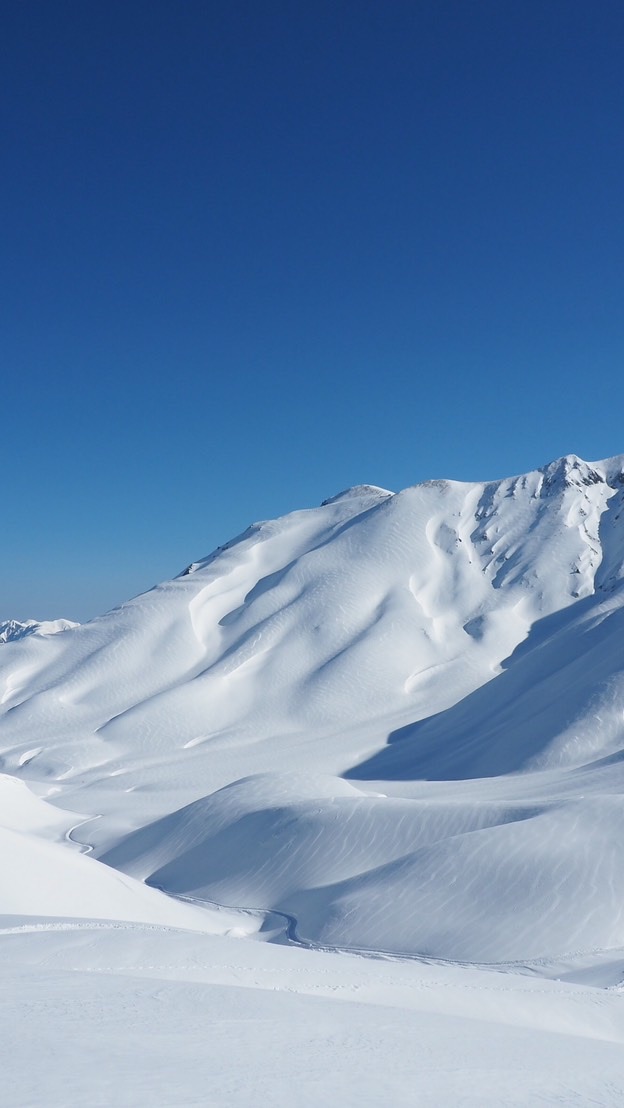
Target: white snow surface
384, 740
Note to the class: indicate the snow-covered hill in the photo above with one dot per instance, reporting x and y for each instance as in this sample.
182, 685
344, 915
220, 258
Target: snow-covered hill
395, 721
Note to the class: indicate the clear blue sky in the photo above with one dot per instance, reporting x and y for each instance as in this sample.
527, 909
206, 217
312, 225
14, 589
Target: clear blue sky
254, 253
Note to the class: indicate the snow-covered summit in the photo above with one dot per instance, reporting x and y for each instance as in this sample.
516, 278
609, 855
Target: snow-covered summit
370, 493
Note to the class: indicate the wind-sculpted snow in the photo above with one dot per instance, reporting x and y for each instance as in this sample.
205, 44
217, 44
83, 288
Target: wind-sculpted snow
396, 719
468, 875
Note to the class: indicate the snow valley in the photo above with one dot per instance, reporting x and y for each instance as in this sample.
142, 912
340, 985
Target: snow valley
334, 816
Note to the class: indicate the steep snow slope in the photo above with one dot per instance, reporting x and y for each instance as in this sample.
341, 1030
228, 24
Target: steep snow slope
397, 718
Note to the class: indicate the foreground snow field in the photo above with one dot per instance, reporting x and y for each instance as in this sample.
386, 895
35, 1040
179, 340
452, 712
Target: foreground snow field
335, 816
107, 1015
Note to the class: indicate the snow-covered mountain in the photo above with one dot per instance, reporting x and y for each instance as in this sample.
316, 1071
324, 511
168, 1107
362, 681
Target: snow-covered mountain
412, 698
393, 723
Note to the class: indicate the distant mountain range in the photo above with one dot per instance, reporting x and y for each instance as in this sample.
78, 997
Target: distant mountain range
12, 629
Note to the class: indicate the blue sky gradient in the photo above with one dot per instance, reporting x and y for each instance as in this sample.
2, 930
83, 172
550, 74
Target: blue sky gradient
256, 253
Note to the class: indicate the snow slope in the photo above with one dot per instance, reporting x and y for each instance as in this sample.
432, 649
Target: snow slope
394, 723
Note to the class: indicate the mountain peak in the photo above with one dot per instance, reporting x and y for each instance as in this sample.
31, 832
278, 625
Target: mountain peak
358, 492
568, 471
